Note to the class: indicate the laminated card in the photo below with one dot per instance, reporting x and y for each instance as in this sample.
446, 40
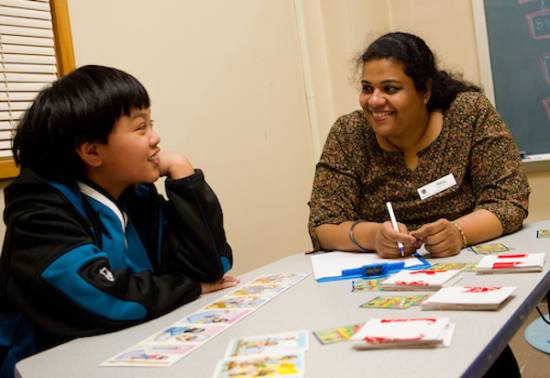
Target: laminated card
511, 263
418, 279
468, 298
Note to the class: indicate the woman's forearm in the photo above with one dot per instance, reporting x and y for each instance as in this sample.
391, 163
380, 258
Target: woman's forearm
479, 226
337, 236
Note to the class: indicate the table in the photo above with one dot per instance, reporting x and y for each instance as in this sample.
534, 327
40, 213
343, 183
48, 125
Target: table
479, 335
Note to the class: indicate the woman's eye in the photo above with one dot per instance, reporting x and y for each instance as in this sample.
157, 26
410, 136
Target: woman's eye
391, 90
366, 89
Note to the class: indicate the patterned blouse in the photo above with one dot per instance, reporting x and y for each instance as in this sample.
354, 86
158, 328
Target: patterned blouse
355, 177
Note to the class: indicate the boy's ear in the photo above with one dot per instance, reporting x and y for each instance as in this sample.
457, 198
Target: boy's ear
89, 154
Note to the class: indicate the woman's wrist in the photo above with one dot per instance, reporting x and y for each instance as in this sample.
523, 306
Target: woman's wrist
352, 236
462, 234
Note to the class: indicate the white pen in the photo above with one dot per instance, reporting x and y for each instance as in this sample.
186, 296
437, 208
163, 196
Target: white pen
394, 224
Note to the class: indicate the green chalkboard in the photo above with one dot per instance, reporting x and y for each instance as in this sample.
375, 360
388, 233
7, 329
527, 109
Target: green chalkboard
518, 33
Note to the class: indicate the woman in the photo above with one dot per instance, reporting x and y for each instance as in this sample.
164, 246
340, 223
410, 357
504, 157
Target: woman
430, 144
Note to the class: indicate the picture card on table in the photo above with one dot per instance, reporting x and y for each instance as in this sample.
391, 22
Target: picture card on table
287, 365
273, 343
245, 301
395, 301
225, 317
338, 334
365, 285
402, 333
149, 355
463, 267
543, 234
468, 298
489, 248
419, 280
184, 333
511, 263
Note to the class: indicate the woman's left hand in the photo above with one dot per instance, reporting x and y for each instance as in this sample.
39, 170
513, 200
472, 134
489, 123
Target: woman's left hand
441, 238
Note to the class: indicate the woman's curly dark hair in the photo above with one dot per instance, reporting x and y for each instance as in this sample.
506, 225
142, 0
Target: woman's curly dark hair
419, 64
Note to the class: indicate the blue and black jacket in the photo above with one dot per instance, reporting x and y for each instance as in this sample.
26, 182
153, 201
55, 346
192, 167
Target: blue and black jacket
76, 263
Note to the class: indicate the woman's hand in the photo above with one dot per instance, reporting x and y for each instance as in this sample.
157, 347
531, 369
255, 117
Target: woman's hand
224, 283
387, 238
441, 238
174, 165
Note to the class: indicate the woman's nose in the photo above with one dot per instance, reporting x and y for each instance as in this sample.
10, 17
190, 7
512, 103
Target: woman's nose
376, 98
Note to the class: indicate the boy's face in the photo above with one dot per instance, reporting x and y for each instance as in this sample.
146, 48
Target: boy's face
131, 154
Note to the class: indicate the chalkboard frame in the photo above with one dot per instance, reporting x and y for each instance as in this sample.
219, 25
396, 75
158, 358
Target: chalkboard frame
536, 162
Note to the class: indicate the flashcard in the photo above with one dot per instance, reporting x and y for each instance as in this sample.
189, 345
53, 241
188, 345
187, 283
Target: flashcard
288, 365
464, 267
270, 290
365, 285
336, 335
468, 298
404, 332
397, 301
149, 355
279, 279
543, 234
184, 333
217, 316
419, 279
486, 249
280, 342
251, 301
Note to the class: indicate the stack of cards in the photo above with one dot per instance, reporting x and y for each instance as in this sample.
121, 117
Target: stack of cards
178, 340
277, 355
468, 298
404, 333
511, 263
418, 280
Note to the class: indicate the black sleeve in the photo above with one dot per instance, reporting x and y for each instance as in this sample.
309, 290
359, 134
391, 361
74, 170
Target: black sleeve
194, 237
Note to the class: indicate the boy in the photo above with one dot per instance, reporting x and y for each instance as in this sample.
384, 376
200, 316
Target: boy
90, 246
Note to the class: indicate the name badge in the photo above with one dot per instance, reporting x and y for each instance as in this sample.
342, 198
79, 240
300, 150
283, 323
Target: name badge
437, 186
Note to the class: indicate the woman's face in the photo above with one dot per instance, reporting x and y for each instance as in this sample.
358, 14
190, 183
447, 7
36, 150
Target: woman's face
390, 102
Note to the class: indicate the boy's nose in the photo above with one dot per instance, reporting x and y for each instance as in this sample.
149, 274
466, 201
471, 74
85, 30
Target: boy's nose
155, 138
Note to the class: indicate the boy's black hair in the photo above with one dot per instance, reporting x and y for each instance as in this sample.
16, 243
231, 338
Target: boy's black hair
80, 107
420, 65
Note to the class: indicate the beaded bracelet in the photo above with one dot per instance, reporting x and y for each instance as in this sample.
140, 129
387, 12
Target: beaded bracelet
352, 238
464, 240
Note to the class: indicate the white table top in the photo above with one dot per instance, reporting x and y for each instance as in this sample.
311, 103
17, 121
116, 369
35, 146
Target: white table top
479, 335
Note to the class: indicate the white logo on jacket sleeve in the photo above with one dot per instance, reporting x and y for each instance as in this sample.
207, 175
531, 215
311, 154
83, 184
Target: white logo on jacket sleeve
107, 274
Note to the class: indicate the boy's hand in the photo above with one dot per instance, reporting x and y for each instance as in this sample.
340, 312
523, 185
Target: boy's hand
224, 283
174, 165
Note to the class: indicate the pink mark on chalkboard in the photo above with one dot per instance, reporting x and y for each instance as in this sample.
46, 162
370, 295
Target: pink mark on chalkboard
525, 1
545, 63
546, 103
539, 24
